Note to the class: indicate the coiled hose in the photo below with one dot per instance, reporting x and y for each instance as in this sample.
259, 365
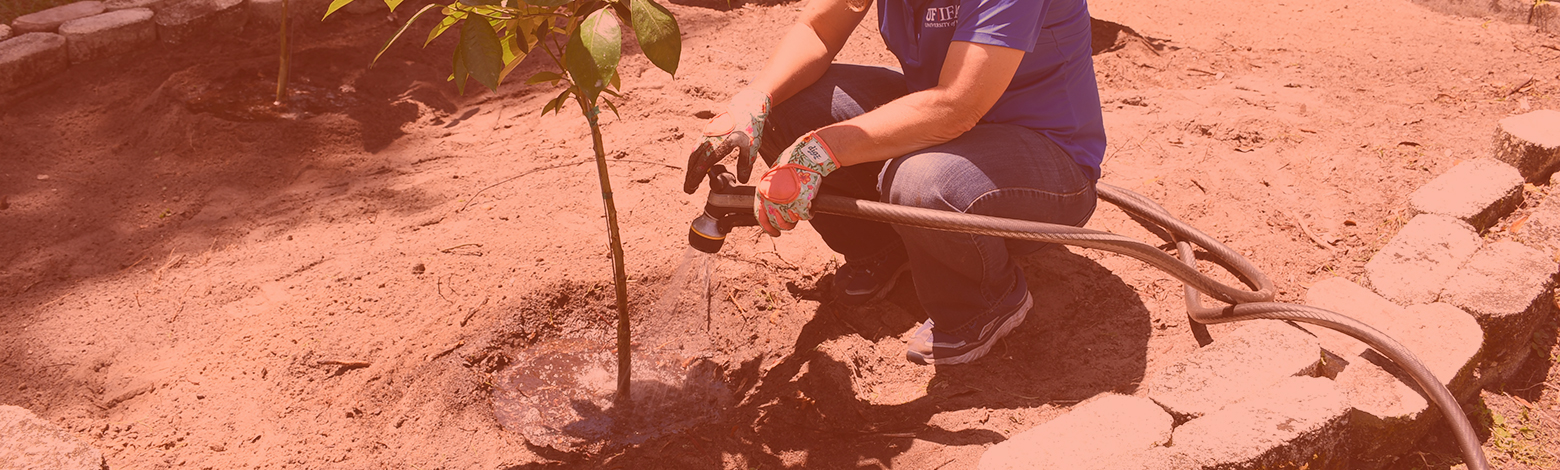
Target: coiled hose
1244, 304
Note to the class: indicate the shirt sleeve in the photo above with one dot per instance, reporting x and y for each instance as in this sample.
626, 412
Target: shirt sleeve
1013, 24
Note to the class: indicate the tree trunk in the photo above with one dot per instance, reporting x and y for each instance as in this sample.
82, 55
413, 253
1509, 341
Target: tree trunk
619, 272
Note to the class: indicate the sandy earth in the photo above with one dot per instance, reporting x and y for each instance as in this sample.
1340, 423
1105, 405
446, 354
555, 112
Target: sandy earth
185, 269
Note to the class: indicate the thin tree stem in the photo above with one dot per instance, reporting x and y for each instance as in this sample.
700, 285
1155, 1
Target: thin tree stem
281, 75
619, 272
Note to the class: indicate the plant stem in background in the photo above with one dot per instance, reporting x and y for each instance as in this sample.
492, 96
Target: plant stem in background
281, 75
619, 272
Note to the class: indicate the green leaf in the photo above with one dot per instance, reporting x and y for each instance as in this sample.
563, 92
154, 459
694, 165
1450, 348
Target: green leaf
514, 52
556, 104
334, 5
543, 76
593, 51
402, 30
480, 53
461, 72
612, 107
658, 34
449, 21
395, 3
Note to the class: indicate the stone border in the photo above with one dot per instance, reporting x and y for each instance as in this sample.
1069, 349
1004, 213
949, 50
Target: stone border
1545, 17
91, 30
1274, 395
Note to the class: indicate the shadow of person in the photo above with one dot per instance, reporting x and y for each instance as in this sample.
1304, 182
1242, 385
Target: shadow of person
824, 404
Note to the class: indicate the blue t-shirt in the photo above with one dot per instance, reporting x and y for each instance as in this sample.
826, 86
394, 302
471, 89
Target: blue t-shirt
1053, 92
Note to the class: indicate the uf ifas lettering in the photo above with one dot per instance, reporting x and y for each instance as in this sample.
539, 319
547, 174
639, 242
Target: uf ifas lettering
942, 14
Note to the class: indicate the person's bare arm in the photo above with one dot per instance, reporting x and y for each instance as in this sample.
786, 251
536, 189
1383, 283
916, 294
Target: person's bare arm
808, 48
973, 77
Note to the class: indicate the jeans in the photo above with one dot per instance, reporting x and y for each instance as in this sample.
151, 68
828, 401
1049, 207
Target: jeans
1002, 170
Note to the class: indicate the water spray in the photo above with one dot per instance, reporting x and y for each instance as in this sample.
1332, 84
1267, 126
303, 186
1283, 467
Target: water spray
730, 205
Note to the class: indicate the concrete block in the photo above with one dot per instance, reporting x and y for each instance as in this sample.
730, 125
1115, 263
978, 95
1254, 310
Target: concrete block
1247, 361
31, 58
1389, 414
1297, 422
266, 12
1530, 142
1508, 288
5, 32
1541, 230
154, 5
108, 34
1098, 434
1446, 339
1546, 18
1510, 11
27, 441
1478, 192
1416, 263
49, 20
192, 19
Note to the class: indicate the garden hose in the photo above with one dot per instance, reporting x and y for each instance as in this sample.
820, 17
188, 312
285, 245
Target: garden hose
1245, 304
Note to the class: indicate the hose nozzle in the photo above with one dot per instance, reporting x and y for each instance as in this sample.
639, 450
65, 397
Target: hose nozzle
729, 205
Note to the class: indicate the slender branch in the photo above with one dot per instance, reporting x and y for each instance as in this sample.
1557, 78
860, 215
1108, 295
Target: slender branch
281, 75
619, 272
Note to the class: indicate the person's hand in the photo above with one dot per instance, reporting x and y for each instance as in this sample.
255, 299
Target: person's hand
786, 192
741, 128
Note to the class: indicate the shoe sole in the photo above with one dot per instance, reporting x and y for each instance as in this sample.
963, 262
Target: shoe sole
876, 294
980, 351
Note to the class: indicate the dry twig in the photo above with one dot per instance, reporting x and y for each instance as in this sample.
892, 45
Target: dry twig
1314, 239
1530, 81
348, 364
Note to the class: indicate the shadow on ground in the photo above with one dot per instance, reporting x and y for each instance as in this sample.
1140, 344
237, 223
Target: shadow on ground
1086, 335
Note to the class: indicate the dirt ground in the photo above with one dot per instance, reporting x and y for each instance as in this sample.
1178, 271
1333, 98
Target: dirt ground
184, 268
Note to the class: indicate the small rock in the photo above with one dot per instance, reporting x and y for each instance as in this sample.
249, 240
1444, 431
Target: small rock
419, 269
1530, 142
43, 177
5, 32
49, 20
27, 441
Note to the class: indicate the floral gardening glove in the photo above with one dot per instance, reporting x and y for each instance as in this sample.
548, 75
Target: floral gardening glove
786, 192
741, 128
